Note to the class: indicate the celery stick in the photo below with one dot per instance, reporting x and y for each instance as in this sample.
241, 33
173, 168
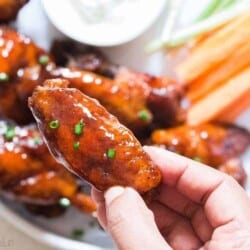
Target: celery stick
208, 11
224, 4
218, 19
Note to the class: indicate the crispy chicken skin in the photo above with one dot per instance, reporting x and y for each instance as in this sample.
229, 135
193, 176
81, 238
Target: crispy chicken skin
89, 141
9, 9
30, 174
213, 144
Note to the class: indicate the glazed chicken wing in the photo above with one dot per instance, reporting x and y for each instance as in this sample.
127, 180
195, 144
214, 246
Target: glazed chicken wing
30, 174
213, 144
164, 95
216, 145
17, 54
133, 98
9, 9
89, 141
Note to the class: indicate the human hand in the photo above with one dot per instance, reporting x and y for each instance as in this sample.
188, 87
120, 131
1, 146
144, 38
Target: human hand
197, 207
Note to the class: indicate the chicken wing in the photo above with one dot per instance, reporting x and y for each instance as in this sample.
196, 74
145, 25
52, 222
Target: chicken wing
165, 95
89, 141
29, 174
212, 144
134, 98
17, 53
9, 9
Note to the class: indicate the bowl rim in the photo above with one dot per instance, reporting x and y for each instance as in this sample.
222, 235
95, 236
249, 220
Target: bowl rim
53, 17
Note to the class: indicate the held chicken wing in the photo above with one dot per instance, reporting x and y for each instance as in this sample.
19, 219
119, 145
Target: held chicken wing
29, 173
213, 144
89, 141
9, 9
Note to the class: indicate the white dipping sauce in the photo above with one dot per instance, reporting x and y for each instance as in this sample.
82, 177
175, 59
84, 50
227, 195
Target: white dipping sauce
103, 22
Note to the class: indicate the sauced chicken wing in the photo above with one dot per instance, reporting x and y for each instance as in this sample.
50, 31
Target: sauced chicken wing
134, 98
9, 9
213, 144
164, 96
89, 141
17, 52
30, 174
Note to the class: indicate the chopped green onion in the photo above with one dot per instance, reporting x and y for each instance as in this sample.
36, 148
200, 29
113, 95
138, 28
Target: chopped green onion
79, 127
76, 145
111, 153
37, 140
9, 133
4, 77
43, 60
54, 124
198, 159
144, 115
64, 202
77, 233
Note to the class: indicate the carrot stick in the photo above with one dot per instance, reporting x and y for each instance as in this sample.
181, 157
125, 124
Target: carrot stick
231, 113
237, 61
213, 104
215, 49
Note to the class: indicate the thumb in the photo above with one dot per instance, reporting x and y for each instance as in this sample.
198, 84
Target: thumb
130, 223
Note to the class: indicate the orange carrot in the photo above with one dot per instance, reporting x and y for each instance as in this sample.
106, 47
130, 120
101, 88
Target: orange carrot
231, 113
219, 100
215, 49
237, 61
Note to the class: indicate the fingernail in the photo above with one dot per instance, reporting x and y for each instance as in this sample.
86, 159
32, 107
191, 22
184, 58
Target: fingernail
112, 194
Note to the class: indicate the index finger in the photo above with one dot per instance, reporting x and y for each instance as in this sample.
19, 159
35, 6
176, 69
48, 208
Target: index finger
223, 199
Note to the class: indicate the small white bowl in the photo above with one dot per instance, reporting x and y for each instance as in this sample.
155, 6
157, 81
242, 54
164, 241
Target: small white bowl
68, 17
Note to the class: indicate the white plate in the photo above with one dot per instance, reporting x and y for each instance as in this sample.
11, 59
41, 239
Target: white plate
67, 16
57, 232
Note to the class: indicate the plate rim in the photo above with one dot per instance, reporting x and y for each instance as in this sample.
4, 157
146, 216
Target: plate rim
37, 233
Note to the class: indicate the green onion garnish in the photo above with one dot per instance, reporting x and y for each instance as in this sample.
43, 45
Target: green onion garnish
198, 159
144, 115
77, 233
76, 145
4, 77
37, 140
43, 60
54, 124
79, 127
111, 153
64, 202
9, 133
